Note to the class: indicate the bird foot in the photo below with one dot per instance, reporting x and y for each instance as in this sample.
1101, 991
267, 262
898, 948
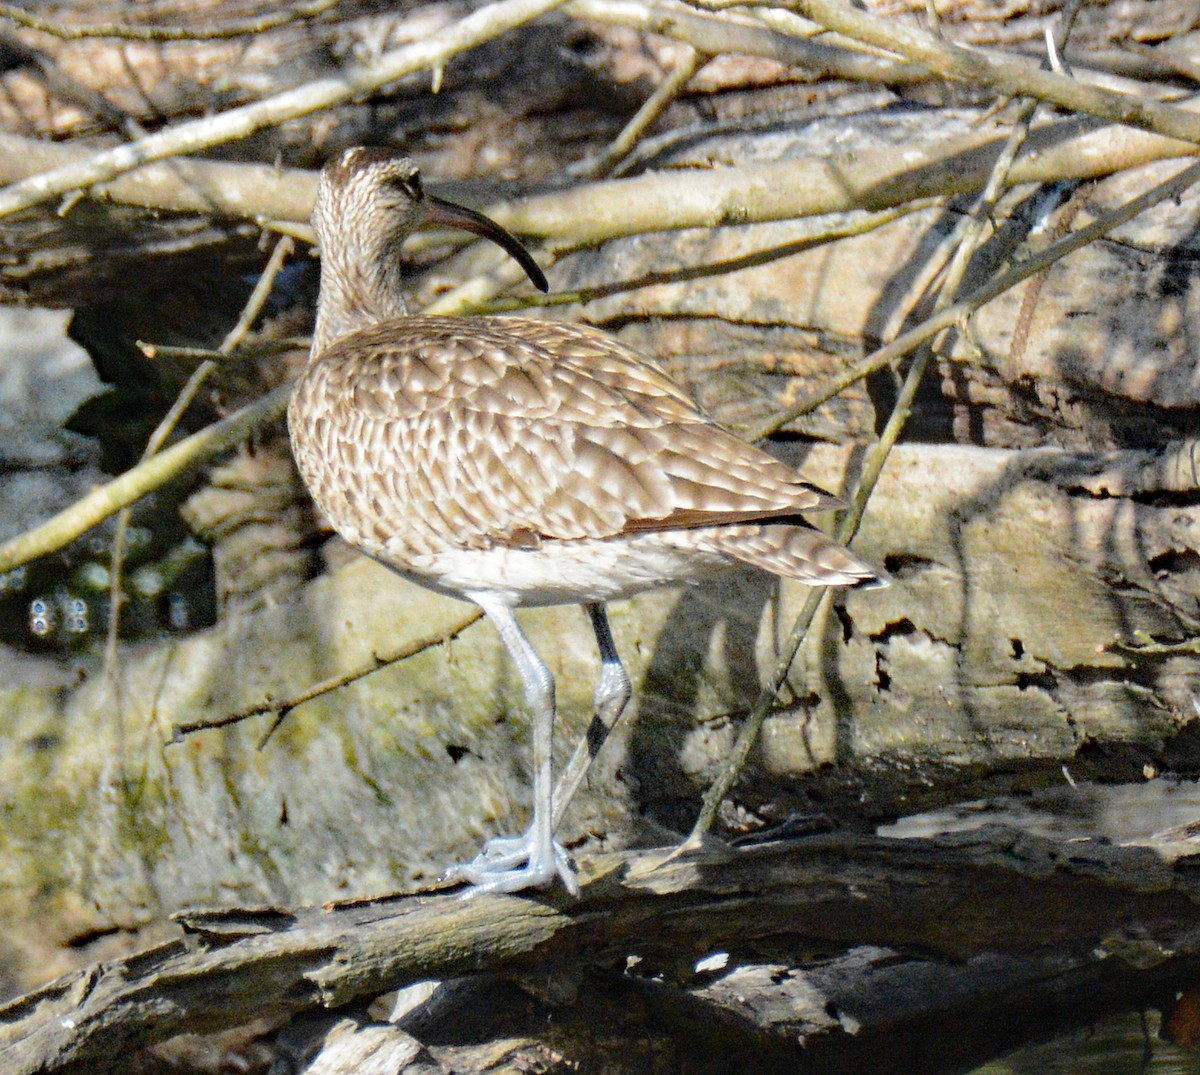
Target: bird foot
513, 863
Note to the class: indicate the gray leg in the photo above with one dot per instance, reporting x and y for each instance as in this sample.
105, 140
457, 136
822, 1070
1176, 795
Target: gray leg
613, 691
532, 860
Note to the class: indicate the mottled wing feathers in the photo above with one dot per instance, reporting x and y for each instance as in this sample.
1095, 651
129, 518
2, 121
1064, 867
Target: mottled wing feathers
796, 551
498, 431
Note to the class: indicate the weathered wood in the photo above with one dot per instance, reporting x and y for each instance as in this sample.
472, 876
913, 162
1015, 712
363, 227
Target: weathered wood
1121, 913
872, 1009
957, 681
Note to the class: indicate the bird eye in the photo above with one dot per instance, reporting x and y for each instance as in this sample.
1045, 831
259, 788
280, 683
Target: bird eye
410, 185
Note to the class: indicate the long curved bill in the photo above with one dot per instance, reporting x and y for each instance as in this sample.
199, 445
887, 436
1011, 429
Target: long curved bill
450, 215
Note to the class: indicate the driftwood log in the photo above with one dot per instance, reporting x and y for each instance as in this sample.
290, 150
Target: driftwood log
700, 960
786, 215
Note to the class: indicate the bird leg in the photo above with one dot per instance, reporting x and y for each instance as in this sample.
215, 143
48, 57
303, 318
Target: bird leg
509, 864
613, 691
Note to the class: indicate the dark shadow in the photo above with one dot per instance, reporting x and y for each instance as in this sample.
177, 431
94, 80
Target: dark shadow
665, 794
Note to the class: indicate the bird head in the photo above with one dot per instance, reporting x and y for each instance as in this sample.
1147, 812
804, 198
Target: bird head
373, 198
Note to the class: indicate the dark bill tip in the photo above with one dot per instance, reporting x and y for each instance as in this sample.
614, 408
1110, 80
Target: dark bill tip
456, 216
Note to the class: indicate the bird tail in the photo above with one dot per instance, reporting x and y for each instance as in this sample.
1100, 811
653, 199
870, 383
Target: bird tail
798, 551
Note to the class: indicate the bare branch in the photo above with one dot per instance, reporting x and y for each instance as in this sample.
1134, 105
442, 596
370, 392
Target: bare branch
1009, 75
126, 32
283, 706
780, 190
353, 81
250, 191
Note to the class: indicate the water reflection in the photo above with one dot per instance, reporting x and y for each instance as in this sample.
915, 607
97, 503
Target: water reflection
13, 580
64, 606
41, 617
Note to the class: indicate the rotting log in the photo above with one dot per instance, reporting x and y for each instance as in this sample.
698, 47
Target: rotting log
1107, 915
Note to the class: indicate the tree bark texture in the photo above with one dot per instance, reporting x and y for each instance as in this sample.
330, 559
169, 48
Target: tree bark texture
620, 965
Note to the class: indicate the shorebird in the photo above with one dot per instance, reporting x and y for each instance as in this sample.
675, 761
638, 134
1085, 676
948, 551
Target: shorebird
514, 462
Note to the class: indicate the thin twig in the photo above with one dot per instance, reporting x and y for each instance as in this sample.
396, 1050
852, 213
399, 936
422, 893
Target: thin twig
653, 107
282, 707
123, 31
935, 20
353, 81
860, 225
1111, 69
258, 349
283, 250
788, 22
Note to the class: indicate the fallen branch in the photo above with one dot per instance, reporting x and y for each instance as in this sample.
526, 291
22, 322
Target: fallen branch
1109, 906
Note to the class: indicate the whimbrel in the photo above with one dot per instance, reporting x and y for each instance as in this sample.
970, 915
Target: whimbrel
516, 463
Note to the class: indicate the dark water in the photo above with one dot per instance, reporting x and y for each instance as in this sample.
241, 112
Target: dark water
1118, 1046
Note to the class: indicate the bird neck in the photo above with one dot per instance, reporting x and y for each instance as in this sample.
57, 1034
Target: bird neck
359, 288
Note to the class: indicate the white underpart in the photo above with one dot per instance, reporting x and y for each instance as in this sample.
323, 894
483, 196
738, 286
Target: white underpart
561, 572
